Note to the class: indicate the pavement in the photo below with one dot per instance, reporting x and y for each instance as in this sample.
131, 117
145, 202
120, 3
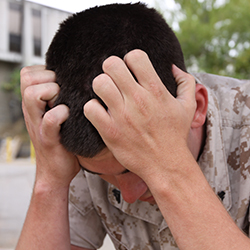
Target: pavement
16, 182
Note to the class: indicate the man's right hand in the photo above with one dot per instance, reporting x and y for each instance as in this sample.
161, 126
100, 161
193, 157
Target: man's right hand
55, 166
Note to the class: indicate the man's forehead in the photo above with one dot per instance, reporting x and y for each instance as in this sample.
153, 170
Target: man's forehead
102, 164
91, 172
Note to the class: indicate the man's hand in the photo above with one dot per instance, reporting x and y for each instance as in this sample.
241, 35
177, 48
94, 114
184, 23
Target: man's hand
55, 166
147, 129
144, 124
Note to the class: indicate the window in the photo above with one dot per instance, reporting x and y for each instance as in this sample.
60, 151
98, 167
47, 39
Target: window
37, 32
15, 17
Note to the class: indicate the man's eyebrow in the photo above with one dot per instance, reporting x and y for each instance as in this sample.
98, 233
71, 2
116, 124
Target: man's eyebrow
91, 172
85, 169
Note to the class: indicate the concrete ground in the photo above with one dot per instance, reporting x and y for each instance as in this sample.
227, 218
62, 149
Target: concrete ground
16, 182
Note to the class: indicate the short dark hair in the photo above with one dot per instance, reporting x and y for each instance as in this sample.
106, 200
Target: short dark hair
85, 40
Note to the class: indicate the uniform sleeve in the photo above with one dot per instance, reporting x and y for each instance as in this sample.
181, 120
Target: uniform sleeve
248, 233
86, 229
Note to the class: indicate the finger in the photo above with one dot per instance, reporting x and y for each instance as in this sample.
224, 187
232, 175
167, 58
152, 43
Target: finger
116, 68
98, 116
51, 123
107, 90
35, 75
36, 98
139, 63
186, 87
33, 68
185, 82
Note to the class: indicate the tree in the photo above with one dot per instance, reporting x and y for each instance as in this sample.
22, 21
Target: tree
214, 34
13, 86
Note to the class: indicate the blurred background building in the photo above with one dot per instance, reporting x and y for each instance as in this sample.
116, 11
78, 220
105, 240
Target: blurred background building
26, 30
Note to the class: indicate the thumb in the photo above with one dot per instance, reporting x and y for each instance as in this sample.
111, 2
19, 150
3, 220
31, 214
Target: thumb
186, 89
51, 124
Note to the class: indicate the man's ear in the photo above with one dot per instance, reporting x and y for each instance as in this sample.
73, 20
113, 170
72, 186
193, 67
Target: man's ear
201, 97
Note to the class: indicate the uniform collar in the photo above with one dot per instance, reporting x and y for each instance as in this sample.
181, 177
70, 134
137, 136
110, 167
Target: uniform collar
213, 161
139, 209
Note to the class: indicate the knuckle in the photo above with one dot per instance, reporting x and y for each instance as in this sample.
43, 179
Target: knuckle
87, 107
112, 133
156, 89
135, 55
26, 75
111, 63
52, 87
141, 103
26, 78
49, 120
29, 94
24, 70
190, 78
99, 81
101, 84
25, 112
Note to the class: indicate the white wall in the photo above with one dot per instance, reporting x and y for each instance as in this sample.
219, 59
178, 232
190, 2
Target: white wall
51, 18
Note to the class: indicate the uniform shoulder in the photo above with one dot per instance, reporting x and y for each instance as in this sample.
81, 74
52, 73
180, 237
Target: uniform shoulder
230, 95
216, 81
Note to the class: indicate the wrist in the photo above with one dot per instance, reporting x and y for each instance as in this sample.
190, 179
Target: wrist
48, 189
55, 174
174, 175
169, 164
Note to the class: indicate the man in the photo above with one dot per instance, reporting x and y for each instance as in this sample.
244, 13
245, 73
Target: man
85, 40
145, 188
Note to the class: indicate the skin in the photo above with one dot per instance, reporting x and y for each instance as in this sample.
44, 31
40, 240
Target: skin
158, 147
133, 187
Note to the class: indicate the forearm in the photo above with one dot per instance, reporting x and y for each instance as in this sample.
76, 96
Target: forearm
194, 214
46, 225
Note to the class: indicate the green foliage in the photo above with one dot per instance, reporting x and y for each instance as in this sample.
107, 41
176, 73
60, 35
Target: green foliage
214, 35
14, 84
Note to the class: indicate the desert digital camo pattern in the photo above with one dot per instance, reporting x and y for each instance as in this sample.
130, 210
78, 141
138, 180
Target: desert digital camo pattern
94, 210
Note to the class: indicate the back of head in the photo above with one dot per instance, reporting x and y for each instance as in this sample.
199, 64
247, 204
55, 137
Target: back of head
85, 40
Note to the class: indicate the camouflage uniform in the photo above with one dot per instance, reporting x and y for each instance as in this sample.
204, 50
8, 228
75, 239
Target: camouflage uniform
95, 210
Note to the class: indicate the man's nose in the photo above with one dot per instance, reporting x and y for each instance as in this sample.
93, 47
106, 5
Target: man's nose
132, 187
